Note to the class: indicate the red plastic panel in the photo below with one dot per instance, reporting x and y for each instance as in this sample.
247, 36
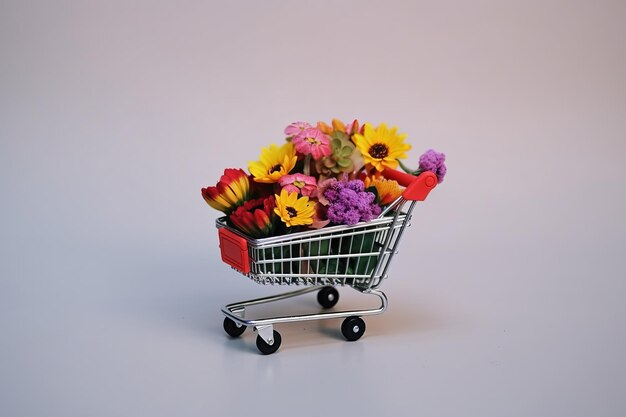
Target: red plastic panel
234, 250
403, 178
417, 188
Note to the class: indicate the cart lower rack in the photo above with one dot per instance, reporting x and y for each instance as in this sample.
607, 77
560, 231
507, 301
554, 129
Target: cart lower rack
356, 256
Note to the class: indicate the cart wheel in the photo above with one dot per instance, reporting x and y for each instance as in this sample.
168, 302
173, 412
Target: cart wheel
232, 328
353, 328
328, 297
266, 348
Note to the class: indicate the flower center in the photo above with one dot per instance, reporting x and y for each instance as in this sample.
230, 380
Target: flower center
379, 151
298, 184
291, 211
275, 168
312, 141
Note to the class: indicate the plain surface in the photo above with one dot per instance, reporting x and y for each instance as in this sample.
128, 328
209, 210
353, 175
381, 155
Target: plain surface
507, 298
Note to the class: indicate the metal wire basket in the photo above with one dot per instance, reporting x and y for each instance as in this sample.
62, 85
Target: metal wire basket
340, 255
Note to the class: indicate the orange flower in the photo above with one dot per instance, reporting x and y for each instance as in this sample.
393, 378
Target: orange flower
387, 190
324, 128
338, 126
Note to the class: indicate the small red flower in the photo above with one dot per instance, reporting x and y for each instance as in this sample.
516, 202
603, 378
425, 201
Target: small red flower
255, 217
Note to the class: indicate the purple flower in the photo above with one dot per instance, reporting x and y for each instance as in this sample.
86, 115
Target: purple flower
350, 203
356, 185
331, 194
352, 216
432, 160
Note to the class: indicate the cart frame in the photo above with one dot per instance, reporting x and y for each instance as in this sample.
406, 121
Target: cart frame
321, 262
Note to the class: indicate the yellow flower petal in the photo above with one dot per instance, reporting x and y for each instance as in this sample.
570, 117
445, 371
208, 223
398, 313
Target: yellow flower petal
387, 137
274, 163
294, 211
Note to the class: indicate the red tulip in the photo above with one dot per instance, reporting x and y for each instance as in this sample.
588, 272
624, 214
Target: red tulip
255, 217
230, 192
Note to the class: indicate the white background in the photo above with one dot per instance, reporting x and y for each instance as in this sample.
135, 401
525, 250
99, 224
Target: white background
507, 298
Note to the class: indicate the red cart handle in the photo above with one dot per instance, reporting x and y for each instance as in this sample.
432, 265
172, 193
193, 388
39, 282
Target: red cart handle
417, 187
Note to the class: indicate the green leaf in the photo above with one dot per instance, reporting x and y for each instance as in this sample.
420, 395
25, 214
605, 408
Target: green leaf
374, 191
317, 248
364, 265
364, 243
355, 245
281, 255
346, 151
340, 135
329, 267
344, 163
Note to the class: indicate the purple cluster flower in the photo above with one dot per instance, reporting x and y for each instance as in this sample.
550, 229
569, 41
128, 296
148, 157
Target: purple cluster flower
350, 203
432, 160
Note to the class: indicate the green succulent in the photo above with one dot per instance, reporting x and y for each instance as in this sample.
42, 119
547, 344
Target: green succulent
340, 160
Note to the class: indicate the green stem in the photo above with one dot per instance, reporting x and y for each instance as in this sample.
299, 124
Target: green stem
407, 169
307, 165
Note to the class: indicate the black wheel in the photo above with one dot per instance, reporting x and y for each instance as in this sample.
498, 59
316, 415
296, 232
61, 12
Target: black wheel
353, 328
328, 297
266, 348
232, 328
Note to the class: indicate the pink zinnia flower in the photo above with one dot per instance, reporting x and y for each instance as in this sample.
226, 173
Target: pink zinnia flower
312, 141
298, 183
296, 128
320, 218
322, 186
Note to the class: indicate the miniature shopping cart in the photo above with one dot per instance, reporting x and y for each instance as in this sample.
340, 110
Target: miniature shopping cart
356, 256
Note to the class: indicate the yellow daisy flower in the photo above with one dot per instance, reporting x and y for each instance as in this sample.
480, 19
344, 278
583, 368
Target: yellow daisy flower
381, 147
275, 162
294, 211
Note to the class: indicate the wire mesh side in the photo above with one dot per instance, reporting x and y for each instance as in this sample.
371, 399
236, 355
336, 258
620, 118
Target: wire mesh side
348, 256
357, 255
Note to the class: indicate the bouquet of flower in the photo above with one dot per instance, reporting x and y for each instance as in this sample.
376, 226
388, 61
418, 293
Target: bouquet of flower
322, 175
